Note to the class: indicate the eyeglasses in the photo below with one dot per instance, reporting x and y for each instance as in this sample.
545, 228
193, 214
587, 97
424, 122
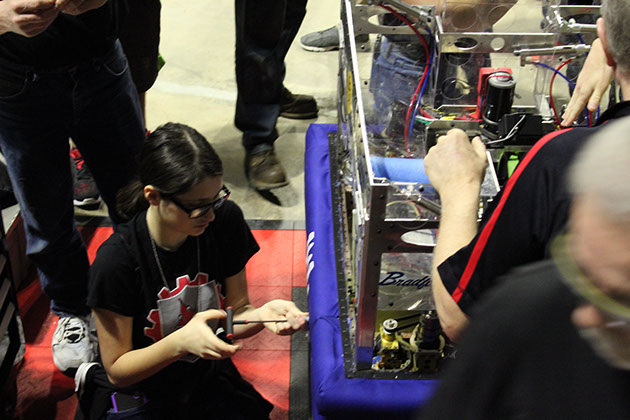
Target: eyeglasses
198, 212
582, 286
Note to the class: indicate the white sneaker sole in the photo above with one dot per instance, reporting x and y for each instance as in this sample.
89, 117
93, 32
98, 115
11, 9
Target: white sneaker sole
79, 377
319, 49
90, 201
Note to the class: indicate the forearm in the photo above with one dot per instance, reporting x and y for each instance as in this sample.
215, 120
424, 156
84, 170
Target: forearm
137, 365
458, 226
458, 221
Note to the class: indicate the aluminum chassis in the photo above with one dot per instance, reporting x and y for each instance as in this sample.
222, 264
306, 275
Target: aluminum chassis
362, 230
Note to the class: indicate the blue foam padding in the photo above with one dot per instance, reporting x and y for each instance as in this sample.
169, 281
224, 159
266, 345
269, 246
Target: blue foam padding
399, 169
334, 396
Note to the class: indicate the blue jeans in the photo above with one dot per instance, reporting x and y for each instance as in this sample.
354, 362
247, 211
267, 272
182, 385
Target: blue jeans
398, 65
396, 69
95, 103
265, 30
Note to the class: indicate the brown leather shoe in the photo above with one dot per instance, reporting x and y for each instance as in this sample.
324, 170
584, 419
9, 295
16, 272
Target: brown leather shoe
297, 107
264, 171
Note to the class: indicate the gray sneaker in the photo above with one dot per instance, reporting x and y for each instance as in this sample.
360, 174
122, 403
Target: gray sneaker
73, 343
326, 40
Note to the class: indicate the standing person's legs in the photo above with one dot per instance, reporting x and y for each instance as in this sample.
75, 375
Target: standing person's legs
35, 109
265, 30
34, 140
140, 39
259, 69
109, 127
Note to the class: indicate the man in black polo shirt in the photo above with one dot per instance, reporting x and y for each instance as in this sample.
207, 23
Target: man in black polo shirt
530, 211
553, 340
62, 75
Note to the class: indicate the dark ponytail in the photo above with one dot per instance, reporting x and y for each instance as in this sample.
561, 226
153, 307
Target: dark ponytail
130, 200
173, 159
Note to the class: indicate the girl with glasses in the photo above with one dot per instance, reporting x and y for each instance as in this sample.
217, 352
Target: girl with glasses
157, 287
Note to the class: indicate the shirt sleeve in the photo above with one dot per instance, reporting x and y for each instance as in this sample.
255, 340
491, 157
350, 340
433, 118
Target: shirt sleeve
113, 283
518, 226
235, 240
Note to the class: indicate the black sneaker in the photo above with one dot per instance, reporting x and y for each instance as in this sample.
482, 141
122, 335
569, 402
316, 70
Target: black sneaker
85, 191
297, 107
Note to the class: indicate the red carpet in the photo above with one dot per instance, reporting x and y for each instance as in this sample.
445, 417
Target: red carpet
265, 360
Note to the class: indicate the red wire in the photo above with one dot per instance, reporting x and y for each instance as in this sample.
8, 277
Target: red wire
424, 74
427, 115
413, 99
553, 107
493, 75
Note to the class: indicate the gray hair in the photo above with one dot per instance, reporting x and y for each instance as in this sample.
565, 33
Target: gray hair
602, 169
616, 14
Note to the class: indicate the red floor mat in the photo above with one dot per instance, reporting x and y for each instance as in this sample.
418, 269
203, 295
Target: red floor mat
45, 393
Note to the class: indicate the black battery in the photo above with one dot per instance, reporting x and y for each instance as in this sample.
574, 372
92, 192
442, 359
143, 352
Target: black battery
498, 101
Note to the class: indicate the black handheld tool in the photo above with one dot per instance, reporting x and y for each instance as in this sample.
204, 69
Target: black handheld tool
229, 323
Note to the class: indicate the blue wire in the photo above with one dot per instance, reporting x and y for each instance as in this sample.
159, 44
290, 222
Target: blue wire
557, 72
580, 38
588, 121
424, 84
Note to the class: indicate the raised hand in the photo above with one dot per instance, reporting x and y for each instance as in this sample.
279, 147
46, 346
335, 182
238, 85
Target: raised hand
594, 79
283, 310
455, 164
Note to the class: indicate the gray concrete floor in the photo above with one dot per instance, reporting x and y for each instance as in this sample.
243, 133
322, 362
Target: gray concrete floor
198, 87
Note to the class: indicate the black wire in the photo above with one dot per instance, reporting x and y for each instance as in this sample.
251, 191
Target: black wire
407, 317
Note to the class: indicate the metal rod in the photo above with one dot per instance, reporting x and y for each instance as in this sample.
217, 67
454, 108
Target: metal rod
560, 49
430, 205
245, 321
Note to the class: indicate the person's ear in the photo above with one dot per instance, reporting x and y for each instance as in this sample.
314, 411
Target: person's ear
152, 195
601, 34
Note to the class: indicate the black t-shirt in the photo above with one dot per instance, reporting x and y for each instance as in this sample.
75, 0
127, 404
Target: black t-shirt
125, 278
523, 218
522, 357
69, 40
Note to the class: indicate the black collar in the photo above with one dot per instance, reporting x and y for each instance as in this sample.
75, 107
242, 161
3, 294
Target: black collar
621, 109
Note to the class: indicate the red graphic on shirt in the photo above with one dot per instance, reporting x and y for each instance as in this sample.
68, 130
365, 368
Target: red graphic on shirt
176, 307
